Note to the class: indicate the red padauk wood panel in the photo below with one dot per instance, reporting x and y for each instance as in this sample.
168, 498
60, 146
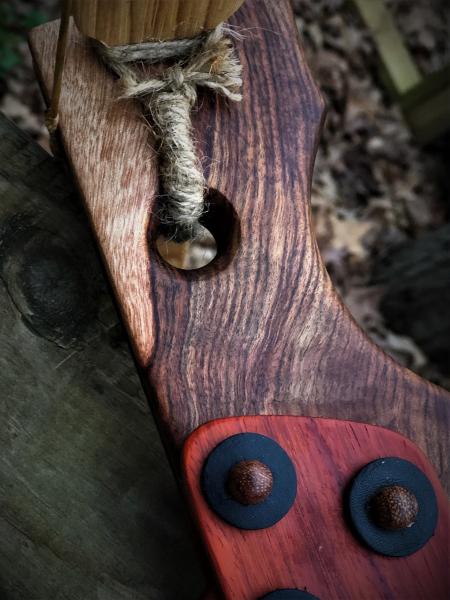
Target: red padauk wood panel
313, 547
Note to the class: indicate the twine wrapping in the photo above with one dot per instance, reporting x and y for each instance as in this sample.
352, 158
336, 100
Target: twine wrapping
207, 61
52, 113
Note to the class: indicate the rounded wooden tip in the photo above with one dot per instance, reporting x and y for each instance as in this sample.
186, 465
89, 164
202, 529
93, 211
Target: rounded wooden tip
120, 22
249, 482
394, 507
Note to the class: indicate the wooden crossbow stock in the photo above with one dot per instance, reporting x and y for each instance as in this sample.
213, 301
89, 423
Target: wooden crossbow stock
257, 343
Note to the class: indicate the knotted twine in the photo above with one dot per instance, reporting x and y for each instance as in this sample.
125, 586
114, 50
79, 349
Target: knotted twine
207, 61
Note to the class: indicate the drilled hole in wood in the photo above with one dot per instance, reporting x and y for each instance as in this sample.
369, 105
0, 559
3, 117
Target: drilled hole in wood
189, 255
215, 242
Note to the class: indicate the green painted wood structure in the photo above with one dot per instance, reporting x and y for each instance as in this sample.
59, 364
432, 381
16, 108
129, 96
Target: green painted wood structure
424, 100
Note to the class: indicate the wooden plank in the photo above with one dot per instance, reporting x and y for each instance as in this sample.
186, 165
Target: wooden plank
399, 68
88, 507
427, 106
261, 329
424, 100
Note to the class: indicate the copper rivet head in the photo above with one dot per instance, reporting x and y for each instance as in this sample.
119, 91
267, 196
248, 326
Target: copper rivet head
249, 482
394, 507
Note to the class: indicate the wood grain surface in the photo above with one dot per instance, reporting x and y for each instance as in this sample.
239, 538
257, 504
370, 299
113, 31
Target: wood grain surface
133, 21
260, 330
89, 509
313, 547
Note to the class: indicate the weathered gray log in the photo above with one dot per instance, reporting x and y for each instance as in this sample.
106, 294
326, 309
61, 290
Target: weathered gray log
417, 297
88, 506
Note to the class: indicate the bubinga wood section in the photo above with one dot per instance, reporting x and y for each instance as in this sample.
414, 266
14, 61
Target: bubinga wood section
133, 21
260, 330
313, 546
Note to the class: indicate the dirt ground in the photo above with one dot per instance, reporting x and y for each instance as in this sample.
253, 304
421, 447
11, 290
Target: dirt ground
374, 187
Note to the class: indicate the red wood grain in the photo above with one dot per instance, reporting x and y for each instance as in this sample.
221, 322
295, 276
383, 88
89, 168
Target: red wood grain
313, 547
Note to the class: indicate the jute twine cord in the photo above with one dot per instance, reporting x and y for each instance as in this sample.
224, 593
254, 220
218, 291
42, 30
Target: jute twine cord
207, 61
52, 114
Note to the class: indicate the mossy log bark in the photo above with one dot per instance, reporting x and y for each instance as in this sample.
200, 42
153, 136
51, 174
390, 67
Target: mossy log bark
88, 506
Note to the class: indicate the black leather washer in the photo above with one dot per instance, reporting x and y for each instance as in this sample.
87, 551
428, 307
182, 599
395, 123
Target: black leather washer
385, 472
289, 595
249, 446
